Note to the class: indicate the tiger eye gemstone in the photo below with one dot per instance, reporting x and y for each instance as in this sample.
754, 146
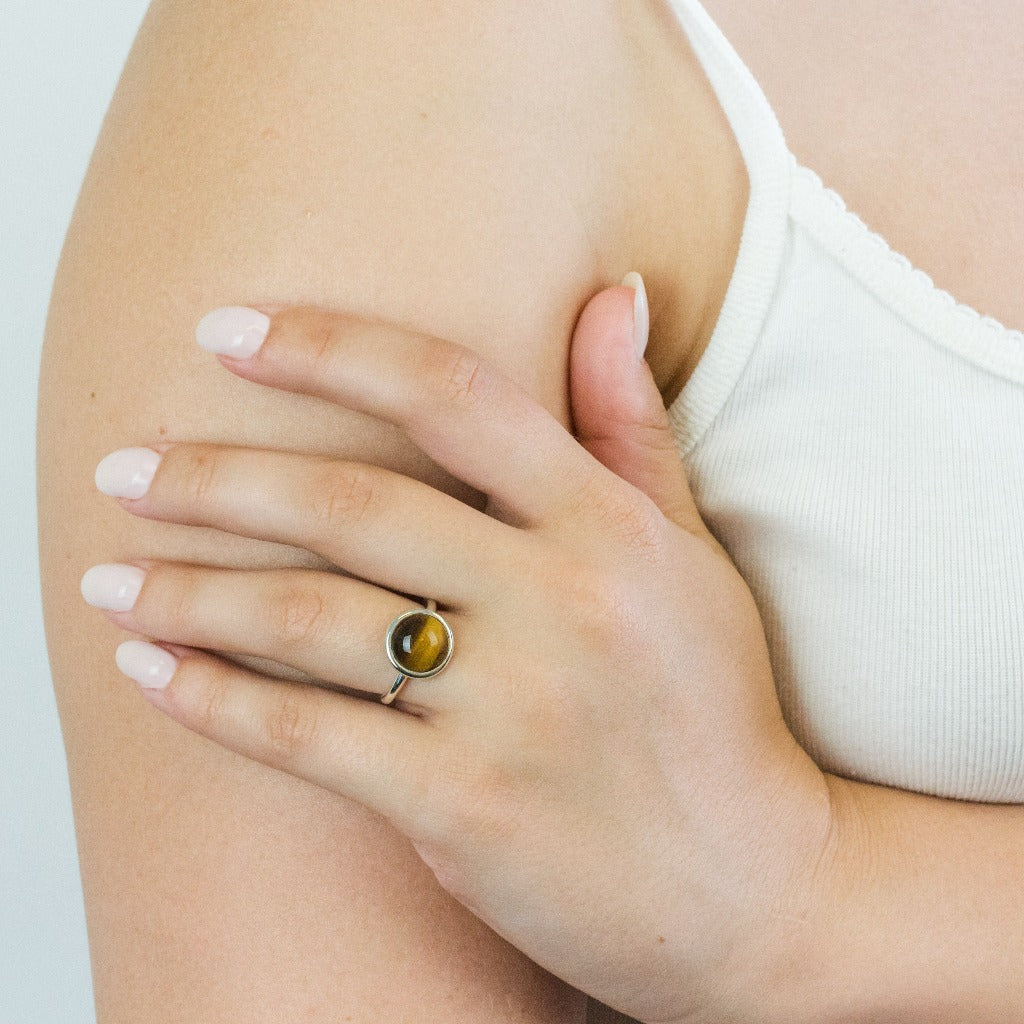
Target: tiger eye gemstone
419, 643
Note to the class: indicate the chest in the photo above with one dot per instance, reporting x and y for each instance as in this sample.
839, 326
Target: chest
868, 483
912, 112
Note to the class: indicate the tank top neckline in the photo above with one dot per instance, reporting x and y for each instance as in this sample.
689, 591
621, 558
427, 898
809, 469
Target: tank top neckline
755, 272
780, 187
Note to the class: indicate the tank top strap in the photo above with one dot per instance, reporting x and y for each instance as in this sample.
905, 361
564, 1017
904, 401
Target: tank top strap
769, 166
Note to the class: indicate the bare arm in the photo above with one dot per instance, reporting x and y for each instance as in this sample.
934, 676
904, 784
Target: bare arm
351, 156
472, 171
924, 916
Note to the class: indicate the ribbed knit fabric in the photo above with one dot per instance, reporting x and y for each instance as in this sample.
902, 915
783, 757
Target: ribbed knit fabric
855, 439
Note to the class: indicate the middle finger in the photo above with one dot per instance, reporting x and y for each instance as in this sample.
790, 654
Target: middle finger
373, 522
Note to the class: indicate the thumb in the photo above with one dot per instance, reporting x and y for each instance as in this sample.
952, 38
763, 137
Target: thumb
617, 410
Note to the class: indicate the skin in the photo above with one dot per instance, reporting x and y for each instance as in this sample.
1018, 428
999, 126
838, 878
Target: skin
913, 118
202, 191
494, 784
939, 237
786, 895
796, 890
422, 207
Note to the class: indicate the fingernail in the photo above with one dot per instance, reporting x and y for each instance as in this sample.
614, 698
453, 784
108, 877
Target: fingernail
147, 664
641, 315
236, 331
128, 472
112, 585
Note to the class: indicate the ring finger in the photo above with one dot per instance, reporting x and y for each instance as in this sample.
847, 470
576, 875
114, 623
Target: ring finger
329, 626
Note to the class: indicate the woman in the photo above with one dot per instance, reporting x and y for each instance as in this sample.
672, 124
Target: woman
223, 952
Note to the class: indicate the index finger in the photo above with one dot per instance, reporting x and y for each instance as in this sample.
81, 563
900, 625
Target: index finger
454, 404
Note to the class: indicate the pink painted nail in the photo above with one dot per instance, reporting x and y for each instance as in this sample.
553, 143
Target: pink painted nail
127, 472
112, 585
150, 666
236, 331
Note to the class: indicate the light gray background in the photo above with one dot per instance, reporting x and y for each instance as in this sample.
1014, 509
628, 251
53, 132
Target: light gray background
59, 63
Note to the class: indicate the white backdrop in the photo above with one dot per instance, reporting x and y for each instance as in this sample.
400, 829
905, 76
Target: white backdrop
59, 63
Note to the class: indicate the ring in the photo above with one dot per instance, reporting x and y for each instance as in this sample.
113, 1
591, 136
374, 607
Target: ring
419, 643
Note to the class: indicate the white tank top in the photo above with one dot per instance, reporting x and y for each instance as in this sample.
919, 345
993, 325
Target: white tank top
855, 439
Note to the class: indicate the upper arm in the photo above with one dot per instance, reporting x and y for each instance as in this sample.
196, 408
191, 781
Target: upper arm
395, 160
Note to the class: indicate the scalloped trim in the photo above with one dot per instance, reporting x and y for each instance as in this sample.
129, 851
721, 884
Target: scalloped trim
903, 287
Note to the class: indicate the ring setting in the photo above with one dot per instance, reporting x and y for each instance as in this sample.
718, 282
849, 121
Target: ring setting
419, 643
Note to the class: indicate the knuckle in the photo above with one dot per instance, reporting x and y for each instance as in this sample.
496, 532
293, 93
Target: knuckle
344, 495
456, 373
170, 601
198, 474
631, 517
323, 338
207, 698
290, 727
639, 523
598, 602
300, 617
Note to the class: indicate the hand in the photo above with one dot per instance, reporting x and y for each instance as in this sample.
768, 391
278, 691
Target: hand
601, 772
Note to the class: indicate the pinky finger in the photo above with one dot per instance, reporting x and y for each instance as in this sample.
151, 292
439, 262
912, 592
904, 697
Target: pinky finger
376, 755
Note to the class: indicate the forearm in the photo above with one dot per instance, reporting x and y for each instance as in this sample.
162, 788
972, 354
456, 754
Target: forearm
922, 915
